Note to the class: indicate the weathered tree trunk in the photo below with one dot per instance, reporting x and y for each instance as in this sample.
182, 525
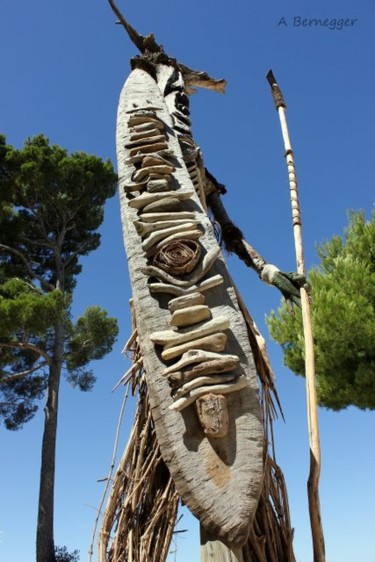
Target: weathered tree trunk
45, 548
211, 432
213, 550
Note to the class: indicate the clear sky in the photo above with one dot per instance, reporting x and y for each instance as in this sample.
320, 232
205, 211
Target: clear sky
62, 67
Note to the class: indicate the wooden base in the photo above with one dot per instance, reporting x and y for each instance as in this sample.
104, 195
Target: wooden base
213, 550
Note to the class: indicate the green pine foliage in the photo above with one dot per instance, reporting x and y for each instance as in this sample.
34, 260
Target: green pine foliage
91, 338
63, 555
343, 305
52, 204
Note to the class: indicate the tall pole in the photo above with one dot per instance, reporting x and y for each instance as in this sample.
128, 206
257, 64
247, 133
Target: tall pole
312, 404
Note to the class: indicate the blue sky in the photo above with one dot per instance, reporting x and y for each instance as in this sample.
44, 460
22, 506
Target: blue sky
62, 66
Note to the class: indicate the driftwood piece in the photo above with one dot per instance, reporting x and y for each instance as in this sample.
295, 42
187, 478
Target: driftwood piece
205, 381
148, 148
193, 234
194, 356
226, 388
225, 364
187, 300
159, 217
229, 475
145, 228
168, 203
137, 158
148, 198
170, 338
214, 342
145, 140
145, 171
212, 410
145, 134
145, 120
155, 160
181, 379
158, 185
164, 233
190, 315
131, 187
205, 285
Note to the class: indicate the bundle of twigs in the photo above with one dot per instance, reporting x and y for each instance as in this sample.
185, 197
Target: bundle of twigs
141, 511
142, 504
271, 534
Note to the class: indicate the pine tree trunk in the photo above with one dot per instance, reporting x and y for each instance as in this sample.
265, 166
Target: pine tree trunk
45, 548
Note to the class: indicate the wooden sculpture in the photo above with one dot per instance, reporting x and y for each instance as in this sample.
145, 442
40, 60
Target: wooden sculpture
195, 343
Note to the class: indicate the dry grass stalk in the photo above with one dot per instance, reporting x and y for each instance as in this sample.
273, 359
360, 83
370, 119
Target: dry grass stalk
271, 535
142, 506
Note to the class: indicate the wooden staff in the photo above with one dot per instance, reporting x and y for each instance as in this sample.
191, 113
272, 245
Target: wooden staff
312, 404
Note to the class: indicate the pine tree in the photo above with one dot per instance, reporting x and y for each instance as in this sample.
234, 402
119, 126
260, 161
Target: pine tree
343, 305
52, 204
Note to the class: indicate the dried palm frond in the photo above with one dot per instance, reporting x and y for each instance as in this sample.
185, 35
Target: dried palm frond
271, 534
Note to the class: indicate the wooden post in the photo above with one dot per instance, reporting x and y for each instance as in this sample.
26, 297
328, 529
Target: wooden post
213, 550
312, 404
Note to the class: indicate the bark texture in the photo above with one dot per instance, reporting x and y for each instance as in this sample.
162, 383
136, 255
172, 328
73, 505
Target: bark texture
45, 547
219, 481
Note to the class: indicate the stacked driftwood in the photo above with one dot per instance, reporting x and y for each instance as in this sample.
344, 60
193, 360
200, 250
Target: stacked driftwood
139, 520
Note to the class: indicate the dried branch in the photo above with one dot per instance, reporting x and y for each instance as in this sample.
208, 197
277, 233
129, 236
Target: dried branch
149, 48
109, 476
142, 505
30, 346
43, 282
201, 79
16, 376
142, 43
